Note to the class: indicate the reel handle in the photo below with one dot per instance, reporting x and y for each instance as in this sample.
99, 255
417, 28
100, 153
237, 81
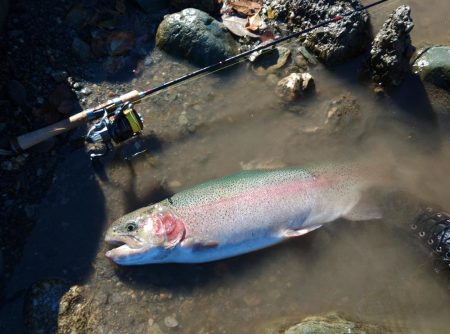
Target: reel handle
25, 141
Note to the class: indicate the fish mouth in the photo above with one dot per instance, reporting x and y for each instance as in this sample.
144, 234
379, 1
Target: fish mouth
124, 246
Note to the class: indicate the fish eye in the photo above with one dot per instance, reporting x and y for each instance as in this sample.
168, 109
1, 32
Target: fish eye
130, 227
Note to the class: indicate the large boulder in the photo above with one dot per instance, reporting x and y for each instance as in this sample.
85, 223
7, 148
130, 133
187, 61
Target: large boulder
333, 43
433, 66
209, 6
391, 49
196, 36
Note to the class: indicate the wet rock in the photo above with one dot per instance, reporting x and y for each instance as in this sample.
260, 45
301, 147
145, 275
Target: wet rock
333, 43
209, 6
344, 115
196, 36
433, 66
17, 92
268, 62
294, 85
391, 49
81, 48
86, 91
78, 312
41, 305
333, 323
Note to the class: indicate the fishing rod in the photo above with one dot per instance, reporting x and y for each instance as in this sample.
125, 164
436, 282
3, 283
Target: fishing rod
117, 118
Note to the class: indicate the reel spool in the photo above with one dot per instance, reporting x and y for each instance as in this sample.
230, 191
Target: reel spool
124, 124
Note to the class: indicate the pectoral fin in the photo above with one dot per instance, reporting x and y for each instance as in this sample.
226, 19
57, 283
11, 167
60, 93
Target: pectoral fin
297, 233
197, 244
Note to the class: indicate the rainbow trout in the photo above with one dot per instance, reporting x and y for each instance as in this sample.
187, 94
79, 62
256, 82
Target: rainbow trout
238, 214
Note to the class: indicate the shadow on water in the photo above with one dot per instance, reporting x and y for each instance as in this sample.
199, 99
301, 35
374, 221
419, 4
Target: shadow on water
63, 243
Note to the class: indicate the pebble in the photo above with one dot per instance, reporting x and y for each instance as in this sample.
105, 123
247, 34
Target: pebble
86, 91
77, 85
170, 321
183, 120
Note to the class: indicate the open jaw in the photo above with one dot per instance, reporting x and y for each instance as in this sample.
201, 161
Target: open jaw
125, 246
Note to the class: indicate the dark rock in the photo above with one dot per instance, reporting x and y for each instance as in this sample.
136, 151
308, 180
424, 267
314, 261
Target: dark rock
63, 99
121, 42
209, 6
17, 92
59, 76
1, 265
196, 36
335, 42
333, 323
4, 5
41, 306
433, 66
151, 5
391, 49
81, 48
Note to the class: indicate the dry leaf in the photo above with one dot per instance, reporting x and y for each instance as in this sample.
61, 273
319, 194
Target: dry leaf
236, 25
246, 7
254, 22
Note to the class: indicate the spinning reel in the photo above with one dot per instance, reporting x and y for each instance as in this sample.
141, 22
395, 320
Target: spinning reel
118, 127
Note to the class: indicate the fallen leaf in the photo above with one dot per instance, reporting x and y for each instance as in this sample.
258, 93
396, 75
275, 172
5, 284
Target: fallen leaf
254, 22
245, 7
236, 25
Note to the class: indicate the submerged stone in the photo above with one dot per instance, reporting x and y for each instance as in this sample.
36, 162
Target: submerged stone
335, 42
391, 49
294, 85
334, 323
433, 66
196, 36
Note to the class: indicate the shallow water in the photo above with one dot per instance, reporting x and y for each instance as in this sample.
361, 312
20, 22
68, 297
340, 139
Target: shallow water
219, 125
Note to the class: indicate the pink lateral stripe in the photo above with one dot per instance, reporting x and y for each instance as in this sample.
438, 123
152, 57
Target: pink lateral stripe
283, 189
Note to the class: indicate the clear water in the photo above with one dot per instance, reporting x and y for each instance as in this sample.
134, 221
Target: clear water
375, 271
